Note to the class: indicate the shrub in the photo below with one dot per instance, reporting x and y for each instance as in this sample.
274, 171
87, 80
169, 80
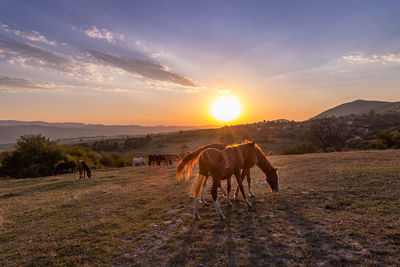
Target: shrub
376, 144
34, 156
302, 148
132, 143
75, 153
115, 160
355, 143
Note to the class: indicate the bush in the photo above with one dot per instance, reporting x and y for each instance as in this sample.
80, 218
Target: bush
115, 160
75, 153
355, 143
138, 142
105, 145
302, 148
34, 156
376, 144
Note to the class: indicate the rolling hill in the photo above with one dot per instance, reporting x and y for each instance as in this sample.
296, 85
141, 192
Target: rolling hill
359, 107
10, 130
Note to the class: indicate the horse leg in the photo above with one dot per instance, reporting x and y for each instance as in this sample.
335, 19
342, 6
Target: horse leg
239, 181
251, 194
203, 186
223, 190
201, 180
215, 197
236, 195
229, 190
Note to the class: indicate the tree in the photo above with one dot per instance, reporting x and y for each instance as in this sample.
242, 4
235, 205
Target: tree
328, 132
34, 156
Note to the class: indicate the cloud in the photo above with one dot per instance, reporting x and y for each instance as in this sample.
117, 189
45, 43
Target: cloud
32, 36
96, 33
12, 84
391, 57
29, 56
107, 88
359, 58
143, 68
223, 91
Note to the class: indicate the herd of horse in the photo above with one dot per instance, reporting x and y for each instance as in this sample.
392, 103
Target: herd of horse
71, 167
218, 161
158, 160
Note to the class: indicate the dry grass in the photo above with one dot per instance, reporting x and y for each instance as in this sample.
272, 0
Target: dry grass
333, 209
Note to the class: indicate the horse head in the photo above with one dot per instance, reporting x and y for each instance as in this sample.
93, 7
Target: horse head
271, 173
272, 179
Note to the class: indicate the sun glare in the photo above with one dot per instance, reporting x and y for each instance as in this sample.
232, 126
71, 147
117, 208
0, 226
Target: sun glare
226, 108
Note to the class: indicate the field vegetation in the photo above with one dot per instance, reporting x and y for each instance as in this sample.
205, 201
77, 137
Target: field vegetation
340, 208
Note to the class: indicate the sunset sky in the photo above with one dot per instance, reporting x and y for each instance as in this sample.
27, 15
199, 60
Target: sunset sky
164, 62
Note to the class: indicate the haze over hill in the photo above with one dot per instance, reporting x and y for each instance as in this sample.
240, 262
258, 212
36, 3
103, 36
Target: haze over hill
10, 130
359, 107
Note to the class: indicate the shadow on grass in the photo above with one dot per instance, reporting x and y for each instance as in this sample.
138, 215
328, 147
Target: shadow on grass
321, 248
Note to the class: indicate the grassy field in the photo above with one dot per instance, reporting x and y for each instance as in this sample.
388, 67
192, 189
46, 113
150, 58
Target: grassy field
333, 209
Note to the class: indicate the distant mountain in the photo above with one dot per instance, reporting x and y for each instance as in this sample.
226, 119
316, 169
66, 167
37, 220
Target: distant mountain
10, 130
360, 107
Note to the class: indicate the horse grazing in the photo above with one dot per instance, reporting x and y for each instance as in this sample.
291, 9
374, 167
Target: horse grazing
163, 159
221, 165
82, 168
138, 162
245, 172
65, 167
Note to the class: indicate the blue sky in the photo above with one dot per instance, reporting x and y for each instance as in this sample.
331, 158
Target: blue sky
162, 62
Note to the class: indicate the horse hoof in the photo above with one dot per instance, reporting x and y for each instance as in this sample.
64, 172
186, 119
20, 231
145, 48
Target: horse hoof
197, 218
222, 218
230, 204
205, 203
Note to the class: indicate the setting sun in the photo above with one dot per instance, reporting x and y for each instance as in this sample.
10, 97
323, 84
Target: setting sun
226, 108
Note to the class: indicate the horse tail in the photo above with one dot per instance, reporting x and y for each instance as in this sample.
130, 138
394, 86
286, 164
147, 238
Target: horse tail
199, 184
187, 163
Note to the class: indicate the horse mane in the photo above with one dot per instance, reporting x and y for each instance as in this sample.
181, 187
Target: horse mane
263, 162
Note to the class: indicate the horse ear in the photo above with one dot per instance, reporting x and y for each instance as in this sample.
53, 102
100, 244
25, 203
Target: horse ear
253, 143
276, 170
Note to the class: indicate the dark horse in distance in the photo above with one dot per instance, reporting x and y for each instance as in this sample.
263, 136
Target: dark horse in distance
83, 168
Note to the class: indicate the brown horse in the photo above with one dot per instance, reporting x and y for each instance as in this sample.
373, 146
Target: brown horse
82, 168
245, 172
222, 164
184, 163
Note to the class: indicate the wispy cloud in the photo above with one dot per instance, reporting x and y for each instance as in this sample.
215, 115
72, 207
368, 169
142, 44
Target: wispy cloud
29, 56
223, 91
107, 89
96, 33
143, 68
32, 36
12, 84
360, 58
